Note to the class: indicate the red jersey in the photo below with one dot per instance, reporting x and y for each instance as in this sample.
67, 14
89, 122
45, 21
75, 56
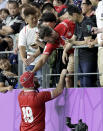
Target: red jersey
32, 105
65, 30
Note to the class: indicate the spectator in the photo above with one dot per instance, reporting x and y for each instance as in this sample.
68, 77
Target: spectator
87, 57
13, 22
58, 66
49, 19
55, 40
99, 18
21, 9
65, 29
32, 102
7, 74
27, 40
4, 13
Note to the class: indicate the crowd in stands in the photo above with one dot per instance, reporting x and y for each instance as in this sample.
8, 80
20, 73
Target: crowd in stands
45, 31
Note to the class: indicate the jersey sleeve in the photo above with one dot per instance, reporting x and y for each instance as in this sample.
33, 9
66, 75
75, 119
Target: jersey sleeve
49, 48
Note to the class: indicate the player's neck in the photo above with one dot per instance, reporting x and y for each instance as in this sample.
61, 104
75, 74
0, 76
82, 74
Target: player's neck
28, 89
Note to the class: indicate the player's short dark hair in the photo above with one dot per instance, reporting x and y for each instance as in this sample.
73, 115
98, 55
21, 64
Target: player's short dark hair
48, 17
73, 9
62, 1
47, 6
45, 31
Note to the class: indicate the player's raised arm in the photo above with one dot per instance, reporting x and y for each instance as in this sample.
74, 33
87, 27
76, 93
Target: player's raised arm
60, 85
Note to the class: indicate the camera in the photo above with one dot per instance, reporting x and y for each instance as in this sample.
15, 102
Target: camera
80, 126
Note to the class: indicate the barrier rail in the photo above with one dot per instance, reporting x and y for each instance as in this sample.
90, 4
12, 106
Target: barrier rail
76, 74
46, 68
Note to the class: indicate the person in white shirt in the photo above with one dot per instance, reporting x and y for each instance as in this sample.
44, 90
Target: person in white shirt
27, 40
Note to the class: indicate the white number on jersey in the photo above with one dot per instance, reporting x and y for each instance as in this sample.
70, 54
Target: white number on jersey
28, 115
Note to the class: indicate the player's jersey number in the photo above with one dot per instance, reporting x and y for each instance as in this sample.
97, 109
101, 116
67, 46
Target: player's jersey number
27, 114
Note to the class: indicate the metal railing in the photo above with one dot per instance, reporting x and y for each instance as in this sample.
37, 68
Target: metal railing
75, 74
45, 69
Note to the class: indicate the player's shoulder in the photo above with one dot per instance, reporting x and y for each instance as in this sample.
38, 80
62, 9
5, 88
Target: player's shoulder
68, 21
44, 94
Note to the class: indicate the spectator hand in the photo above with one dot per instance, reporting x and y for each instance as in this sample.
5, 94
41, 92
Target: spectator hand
16, 50
65, 54
9, 88
8, 73
91, 43
64, 57
26, 62
94, 30
69, 41
30, 59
